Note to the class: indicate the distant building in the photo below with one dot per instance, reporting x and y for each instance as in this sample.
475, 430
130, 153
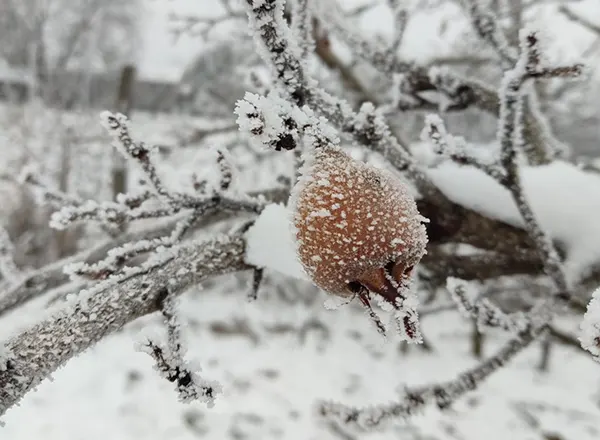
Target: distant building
96, 90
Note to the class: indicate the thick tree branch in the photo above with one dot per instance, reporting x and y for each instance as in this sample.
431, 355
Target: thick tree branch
480, 267
39, 351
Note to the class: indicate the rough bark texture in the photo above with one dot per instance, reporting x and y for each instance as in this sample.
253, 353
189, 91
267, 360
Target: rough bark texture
39, 351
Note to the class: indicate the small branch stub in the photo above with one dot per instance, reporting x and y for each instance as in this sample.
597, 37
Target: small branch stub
169, 360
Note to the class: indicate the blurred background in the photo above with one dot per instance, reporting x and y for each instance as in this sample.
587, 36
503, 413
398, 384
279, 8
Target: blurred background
183, 55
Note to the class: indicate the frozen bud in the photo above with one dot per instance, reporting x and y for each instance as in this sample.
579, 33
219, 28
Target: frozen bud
357, 227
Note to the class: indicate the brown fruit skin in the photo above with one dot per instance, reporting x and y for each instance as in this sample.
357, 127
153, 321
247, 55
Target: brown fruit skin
351, 220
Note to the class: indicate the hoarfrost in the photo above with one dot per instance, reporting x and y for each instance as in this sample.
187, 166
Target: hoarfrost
589, 335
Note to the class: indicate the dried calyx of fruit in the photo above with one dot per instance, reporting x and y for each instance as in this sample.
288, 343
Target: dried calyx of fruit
359, 233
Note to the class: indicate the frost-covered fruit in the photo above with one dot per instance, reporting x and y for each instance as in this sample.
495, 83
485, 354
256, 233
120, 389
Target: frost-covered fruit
357, 227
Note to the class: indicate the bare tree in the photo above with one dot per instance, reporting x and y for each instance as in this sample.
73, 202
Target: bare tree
139, 271
52, 36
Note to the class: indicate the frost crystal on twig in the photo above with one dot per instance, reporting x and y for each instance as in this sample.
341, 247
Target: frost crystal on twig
510, 128
170, 362
363, 296
277, 124
118, 126
225, 169
266, 21
405, 310
407, 320
487, 315
278, 50
269, 121
156, 202
488, 27
455, 148
302, 27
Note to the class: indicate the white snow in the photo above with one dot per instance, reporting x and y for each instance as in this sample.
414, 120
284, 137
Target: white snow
565, 199
270, 243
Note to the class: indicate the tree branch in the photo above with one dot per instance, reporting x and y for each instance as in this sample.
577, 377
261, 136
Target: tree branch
461, 92
40, 281
39, 351
442, 395
595, 28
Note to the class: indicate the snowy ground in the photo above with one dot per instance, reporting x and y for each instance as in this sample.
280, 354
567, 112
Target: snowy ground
275, 359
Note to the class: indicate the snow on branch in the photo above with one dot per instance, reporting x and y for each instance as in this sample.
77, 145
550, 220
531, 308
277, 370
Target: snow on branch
170, 362
511, 138
590, 326
488, 315
157, 202
455, 148
270, 122
368, 127
281, 52
107, 307
510, 134
51, 276
453, 92
487, 26
279, 125
302, 27
378, 55
118, 127
117, 258
58, 199
40, 281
